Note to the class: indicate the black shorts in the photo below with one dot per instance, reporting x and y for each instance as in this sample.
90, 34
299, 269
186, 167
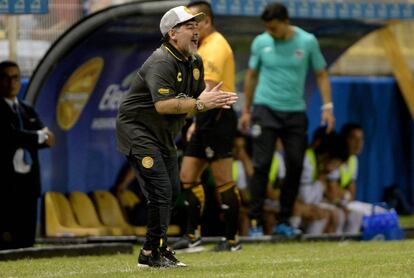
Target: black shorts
214, 135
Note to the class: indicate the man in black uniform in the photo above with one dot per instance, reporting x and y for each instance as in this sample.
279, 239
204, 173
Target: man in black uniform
168, 87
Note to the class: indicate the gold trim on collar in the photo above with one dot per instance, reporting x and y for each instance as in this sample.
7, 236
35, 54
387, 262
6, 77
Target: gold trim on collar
172, 53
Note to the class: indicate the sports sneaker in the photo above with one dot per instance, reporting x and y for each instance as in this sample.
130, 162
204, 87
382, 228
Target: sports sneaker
286, 230
186, 245
227, 245
169, 254
256, 231
155, 259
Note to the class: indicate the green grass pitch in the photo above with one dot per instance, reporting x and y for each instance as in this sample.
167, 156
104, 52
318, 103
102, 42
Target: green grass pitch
291, 259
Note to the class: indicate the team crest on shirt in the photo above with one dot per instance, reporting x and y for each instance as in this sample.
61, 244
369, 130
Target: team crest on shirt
299, 53
147, 162
267, 49
196, 73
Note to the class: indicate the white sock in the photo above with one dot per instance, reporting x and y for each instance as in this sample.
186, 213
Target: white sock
295, 221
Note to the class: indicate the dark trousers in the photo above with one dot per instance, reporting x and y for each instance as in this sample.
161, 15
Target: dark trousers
18, 214
267, 126
158, 178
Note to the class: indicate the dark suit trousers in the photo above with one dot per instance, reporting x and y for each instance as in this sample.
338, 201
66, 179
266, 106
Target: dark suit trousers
18, 213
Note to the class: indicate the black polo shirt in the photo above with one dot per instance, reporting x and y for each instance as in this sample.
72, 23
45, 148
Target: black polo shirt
165, 74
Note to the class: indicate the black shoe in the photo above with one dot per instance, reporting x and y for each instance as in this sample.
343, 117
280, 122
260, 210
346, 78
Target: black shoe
155, 259
169, 254
185, 244
227, 245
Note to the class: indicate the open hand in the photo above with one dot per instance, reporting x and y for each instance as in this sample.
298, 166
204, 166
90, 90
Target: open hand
215, 98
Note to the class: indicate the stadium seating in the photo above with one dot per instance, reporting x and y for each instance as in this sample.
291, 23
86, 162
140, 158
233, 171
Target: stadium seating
78, 216
128, 199
60, 220
111, 215
86, 214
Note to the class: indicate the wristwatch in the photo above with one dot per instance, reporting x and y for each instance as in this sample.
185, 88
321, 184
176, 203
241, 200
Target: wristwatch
199, 105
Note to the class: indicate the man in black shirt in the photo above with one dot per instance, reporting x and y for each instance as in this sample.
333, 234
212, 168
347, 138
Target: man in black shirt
167, 88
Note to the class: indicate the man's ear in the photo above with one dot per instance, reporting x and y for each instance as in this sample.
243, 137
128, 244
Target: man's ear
172, 33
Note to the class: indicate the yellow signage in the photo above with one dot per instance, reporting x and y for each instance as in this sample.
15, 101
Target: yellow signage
76, 92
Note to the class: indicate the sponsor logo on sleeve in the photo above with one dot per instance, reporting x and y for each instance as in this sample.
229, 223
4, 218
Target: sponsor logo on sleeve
163, 91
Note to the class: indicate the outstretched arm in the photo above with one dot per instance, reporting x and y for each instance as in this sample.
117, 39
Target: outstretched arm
214, 98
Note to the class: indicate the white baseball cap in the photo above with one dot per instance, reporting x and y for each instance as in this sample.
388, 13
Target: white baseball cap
177, 15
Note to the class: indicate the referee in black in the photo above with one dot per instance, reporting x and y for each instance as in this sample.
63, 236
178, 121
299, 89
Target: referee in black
167, 88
